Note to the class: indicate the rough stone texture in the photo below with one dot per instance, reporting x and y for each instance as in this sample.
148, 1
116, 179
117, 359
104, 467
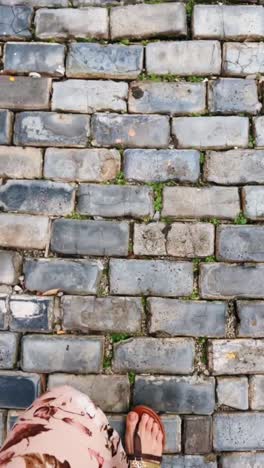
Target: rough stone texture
47, 354
115, 61
29, 389
233, 95
51, 129
205, 202
21, 92
2, 427
142, 21
197, 434
243, 59
238, 431
10, 266
31, 313
259, 131
184, 58
12, 417
71, 276
81, 165
242, 460
151, 277
8, 350
253, 202
211, 132
152, 355
3, 312
240, 356
146, 165
24, 231
104, 314
189, 461
233, 392
132, 131
6, 119
187, 318
34, 57
38, 3
251, 318
15, 22
256, 392
89, 96
240, 243
20, 163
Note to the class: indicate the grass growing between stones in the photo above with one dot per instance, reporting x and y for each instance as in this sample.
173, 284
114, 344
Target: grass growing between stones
116, 337
120, 178
78, 216
215, 221
240, 219
210, 259
158, 194
132, 377
158, 78
202, 341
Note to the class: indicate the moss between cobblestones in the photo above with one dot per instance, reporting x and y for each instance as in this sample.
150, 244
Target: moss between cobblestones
116, 337
240, 219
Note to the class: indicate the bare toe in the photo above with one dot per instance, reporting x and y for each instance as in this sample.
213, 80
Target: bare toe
131, 422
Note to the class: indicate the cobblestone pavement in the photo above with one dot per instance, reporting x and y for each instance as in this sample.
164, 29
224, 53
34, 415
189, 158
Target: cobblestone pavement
132, 209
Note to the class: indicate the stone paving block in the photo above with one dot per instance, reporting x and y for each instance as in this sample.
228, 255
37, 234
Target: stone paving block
150, 239
15, 22
6, 119
115, 61
184, 58
253, 202
80, 3
22, 92
8, 350
211, 132
10, 266
51, 129
240, 243
20, 163
167, 98
256, 392
47, 354
12, 417
151, 277
187, 395
143, 21
37, 197
197, 434
37, 3
238, 431
37, 57
242, 460
132, 131
109, 314
154, 355
89, 96
235, 22
110, 392
3, 312
234, 167
233, 392
71, 276
3, 415
242, 59
251, 318
147, 165
75, 237
220, 280
233, 95
82, 165
115, 200
24, 231
240, 356
189, 461
192, 202
18, 389
31, 313
259, 130
70, 23
187, 318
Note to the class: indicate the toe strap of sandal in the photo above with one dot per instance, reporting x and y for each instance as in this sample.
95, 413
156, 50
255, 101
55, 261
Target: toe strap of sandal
142, 460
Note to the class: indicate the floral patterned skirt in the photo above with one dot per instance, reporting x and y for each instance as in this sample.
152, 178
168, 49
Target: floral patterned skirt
63, 429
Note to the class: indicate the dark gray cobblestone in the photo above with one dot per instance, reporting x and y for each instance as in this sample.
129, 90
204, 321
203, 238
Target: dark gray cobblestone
15, 22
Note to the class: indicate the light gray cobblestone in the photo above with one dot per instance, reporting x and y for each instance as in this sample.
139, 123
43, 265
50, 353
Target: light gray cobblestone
20, 163
233, 392
251, 318
24, 231
242, 59
233, 95
15, 22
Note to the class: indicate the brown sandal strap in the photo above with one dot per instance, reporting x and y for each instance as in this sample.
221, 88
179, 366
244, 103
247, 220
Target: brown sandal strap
145, 456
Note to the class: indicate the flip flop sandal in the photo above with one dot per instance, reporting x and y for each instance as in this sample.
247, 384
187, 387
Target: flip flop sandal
145, 460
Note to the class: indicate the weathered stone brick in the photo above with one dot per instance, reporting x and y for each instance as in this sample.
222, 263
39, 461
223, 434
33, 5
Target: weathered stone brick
34, 57
187, 318
38, 3
107, 314
6, 119
3, 312
24, 231
68, 23
240, 356
197, 434
12, 418
40, 197
115, 61
115, 200
82, 165
211, 132
151, 277
242, 460
184, 58
147, 165
110, 392
256, 392
90, 237
253, 201
132, 131
237, 22
20, 163
22, 92
10, 266
89, 96
154, 355
3, 415
29, 386
71, 276
189, 461
141, 21
192, 202
242, 59
15, 22
238, 431
31, 313
220, 280
8, 350
51, 129
259, 130
103, 2
173, 98
240, 243
189, 395
233, 95
150, 239
251, 318
47, 353
233, 392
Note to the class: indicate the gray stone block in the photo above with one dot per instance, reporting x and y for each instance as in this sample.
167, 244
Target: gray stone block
31, 313
104, 314
233, 95
146, 165
20, 163
256, 392
150, 239
10, 266
3, 312
242, 59
187, 395
12, 418
103, 2
154, 355
71, 276
15, 22
6, 119
187, 318
242, 460
238, 431
189, 461
8, 350
240, 243
259, 130
197, 434
115, 200
51, 129
240, 356
24, 231
18, 389
115, 61
132, 131
251, 319
34, 57
253, 202
22, 92
233, 392
151, 277
37, 3
3, 415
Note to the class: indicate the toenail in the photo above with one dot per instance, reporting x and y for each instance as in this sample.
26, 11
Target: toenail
132, 416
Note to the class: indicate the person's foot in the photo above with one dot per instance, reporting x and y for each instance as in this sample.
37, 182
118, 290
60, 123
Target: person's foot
149, 431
